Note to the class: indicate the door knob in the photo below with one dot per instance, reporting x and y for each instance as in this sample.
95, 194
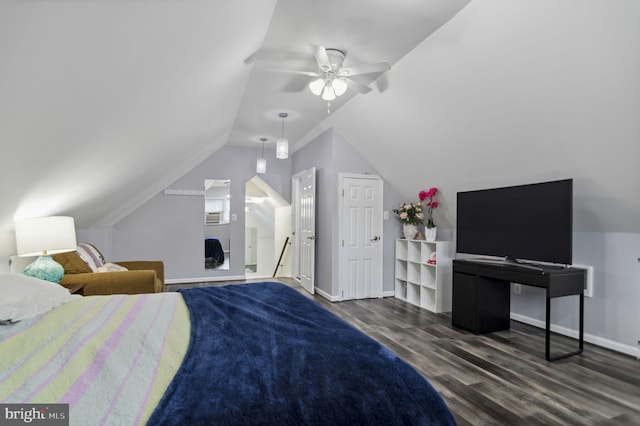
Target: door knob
376, 238
311, 237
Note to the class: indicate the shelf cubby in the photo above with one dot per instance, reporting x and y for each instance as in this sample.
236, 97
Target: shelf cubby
419, 281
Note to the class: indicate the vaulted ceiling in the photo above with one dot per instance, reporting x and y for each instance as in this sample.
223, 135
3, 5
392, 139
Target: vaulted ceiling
105, 103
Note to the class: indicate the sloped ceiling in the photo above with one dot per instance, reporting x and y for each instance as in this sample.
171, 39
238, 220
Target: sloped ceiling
512, 93
105, 103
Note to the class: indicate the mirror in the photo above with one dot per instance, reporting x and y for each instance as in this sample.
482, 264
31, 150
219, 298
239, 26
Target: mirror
217, 235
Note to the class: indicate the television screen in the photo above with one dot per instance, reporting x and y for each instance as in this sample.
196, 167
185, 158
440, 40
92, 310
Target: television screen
527, 222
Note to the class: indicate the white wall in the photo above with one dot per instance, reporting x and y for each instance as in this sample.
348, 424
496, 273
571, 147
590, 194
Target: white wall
7, 248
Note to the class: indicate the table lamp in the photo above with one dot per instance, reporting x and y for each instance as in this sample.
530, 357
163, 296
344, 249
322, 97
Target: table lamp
44, 236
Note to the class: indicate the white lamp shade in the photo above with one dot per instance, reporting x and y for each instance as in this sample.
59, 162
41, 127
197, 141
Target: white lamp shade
45, 235
282, 148
328, 94
317, 85
339, 86
261, 165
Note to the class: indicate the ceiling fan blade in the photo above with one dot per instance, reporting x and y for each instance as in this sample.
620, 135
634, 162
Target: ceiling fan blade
321, 57
382, 82
358, 87
365, 68
307, 73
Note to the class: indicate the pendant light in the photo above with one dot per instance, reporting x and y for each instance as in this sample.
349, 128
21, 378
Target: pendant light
261, 164
282, 145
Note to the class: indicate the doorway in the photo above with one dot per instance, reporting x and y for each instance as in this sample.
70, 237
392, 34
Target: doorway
360, 234
265, 230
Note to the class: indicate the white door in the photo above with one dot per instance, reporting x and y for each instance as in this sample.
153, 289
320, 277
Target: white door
361, 236
304, 195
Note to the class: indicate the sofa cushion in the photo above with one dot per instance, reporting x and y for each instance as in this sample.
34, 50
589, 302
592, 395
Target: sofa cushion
91, 255
111, 267
72, 263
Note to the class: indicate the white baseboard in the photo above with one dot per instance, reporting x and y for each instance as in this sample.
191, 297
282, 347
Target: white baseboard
205, 279
337, 299
565, 331
326, 295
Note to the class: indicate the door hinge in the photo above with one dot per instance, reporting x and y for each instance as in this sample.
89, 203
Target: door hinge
342, 243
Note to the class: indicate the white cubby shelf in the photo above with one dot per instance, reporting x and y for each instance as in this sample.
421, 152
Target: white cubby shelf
419, 282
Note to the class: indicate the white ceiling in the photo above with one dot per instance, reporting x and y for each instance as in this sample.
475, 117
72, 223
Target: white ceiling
105, 103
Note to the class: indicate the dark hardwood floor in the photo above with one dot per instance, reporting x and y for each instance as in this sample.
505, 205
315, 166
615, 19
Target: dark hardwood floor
500, 378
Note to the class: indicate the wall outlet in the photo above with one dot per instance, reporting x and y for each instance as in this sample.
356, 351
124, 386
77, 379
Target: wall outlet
517, 288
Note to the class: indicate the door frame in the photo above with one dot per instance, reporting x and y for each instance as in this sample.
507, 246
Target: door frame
341, 228
296, 193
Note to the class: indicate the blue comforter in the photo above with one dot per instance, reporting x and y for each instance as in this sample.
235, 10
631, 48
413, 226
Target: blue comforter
264, 354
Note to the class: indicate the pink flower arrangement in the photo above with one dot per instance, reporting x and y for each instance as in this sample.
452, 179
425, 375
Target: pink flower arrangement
410, 213
428, 197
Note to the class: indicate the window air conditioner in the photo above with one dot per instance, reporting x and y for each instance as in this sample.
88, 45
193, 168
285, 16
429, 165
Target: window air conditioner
213, 218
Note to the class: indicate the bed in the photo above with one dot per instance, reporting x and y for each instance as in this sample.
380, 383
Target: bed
259, 353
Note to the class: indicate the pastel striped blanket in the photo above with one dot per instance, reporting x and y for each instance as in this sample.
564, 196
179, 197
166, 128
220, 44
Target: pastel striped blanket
100, 354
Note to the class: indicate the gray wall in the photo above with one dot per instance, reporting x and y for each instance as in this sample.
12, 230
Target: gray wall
170, 227
331, 154
319, 154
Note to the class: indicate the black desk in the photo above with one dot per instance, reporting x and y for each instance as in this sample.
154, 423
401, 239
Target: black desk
481, 295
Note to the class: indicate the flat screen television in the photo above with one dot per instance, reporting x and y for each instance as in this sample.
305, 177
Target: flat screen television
526, 222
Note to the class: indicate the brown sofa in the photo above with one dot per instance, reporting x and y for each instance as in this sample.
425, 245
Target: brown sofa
144, 276
141, 277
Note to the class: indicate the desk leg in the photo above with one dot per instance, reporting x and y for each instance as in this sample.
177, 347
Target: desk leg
547, 329
581, 337
547, 337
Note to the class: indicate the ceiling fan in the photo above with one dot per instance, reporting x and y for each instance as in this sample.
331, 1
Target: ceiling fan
332, 79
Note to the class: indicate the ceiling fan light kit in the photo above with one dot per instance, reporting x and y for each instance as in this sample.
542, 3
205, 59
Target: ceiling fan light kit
331, 79
328, 94
339, 86
317, 85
